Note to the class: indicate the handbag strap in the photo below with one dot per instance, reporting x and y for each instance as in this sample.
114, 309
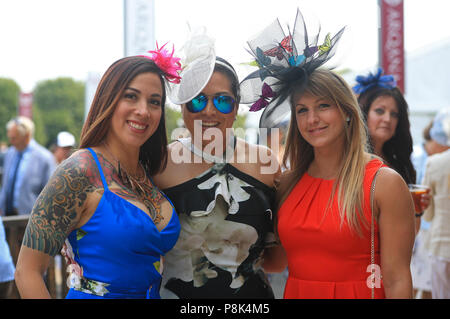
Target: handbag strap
372, 226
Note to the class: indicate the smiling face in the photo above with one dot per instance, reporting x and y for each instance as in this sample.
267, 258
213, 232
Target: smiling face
138, 112
319, 121
382, 119
210, 117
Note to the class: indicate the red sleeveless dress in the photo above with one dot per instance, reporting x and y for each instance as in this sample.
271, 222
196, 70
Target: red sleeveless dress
326, 260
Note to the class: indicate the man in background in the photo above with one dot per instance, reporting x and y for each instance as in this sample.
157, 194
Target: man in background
27, 168
437, 177
65, 142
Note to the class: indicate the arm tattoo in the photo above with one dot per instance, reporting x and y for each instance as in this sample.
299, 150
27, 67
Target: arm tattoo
58, 207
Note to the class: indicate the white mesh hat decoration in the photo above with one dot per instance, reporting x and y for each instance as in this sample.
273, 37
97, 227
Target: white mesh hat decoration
198, 61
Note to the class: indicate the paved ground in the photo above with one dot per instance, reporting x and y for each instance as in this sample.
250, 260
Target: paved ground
278, 281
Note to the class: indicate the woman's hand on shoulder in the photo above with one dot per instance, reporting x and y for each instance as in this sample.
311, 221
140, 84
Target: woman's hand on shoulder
59, 206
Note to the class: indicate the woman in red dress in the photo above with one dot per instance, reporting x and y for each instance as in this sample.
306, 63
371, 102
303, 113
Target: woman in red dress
326, 217
345, 220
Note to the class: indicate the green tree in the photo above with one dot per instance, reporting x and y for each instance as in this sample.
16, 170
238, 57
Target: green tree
240, 123
173, 116
58, 106
9, 101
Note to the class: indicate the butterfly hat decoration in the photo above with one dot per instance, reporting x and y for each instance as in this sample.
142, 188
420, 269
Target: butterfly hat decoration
284, 62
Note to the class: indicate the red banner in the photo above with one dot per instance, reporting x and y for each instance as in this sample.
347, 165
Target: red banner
392, 56
26, 105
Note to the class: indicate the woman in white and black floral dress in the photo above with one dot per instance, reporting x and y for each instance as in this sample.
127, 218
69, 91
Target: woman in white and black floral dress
224, 198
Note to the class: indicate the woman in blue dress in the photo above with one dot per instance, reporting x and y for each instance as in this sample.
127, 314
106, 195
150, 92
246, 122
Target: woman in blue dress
100, 206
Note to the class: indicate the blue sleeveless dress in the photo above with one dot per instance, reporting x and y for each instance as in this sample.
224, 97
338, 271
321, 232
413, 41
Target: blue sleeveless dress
117, 253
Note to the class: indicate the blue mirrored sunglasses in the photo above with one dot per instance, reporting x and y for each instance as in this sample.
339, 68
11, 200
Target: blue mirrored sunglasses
223, 103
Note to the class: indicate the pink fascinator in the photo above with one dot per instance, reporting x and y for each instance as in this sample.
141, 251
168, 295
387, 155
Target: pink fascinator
169, 64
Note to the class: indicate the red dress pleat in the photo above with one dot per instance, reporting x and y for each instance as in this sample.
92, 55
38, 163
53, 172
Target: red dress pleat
326, 259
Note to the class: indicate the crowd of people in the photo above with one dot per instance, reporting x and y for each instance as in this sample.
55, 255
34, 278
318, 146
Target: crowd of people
27, 167
211, 215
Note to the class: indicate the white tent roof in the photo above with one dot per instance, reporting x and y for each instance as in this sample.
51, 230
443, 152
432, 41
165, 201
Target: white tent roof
427, 72
428, 78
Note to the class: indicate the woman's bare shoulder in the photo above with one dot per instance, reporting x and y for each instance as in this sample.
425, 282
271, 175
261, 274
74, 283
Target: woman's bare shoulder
177, 168
388, 175
80, 164
390, 188
258, 161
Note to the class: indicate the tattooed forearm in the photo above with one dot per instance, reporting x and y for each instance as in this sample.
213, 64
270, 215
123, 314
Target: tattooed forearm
58, 207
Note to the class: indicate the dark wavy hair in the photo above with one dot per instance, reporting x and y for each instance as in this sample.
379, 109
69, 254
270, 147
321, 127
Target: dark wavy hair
398, 149
153, 153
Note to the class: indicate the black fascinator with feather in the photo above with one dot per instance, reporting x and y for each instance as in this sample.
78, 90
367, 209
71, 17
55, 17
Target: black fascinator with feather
284, 62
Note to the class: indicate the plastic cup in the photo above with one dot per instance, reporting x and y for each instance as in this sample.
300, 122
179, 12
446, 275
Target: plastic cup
417, 191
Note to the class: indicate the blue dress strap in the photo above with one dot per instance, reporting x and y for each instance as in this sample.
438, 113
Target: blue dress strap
105, 185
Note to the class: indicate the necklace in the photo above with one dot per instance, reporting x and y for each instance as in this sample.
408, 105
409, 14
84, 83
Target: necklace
226, 156
140, 186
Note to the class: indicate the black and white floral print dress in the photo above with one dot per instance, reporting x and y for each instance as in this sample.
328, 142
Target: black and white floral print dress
226, 222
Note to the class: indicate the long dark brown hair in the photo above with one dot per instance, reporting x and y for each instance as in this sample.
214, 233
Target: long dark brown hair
153, 153
398, 149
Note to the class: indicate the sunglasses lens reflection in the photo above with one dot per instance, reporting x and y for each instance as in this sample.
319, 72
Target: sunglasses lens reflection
197, 104
222, 103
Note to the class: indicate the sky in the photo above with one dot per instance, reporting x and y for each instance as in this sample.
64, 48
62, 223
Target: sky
46, 39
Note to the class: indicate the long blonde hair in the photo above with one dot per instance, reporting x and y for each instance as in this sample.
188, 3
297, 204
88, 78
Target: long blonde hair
299, 153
